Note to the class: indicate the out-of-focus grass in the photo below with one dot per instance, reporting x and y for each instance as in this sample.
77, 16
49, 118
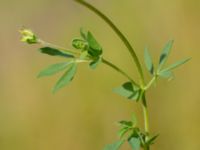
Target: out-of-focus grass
82, 115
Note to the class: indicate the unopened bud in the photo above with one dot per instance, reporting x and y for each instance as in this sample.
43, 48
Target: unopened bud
28, 36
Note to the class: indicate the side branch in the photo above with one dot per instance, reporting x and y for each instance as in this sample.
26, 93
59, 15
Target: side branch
118, 32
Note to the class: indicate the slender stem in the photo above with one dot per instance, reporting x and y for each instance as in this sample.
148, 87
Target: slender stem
119, 33
146, 148
150, 83
146, 116
119, 70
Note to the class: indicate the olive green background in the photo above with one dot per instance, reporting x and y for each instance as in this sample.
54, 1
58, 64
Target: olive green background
83, 115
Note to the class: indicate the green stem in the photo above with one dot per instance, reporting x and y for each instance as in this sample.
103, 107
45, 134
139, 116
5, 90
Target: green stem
119, 33
146, 119
146, 148
119, 70
150, 83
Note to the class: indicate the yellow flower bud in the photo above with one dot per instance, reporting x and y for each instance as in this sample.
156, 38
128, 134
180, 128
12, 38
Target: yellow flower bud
28, 36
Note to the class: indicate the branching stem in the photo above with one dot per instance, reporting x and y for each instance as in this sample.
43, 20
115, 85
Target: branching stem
119, 33
136, 60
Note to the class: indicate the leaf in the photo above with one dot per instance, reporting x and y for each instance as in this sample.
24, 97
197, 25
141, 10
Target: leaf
95, 49
165, 74
152, 139
54, 52
66, 78
135, 133
126, 123
114, 146
175, 65
148, 61
123, 131
165, 53
79, 44
53, 69
95, 63
128, 90
135, 143
92, 42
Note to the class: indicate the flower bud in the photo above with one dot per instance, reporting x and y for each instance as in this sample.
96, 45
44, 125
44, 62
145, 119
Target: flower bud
80, 44
28, 36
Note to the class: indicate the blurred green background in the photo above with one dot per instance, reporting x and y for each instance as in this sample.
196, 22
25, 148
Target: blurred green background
83, 115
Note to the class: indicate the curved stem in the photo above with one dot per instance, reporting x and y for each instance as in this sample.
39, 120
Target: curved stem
118, 70
119, 33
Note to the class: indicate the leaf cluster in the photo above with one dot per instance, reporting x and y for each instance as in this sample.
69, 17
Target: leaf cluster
87, 49
129, 132
161, 70
132, 91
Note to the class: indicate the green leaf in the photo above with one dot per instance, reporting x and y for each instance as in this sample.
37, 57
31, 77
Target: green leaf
148, 61
79, 44
95, 63
175, 65
114, 146
165, 53
53, 69
123, 131
135, 133
135, 143
66, 78
54, 52
165, 74
126, 123
152, 139
92, 42
95, 49
128, 90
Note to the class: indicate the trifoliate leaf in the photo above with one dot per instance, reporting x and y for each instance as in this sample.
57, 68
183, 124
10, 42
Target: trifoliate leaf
134, 143
128, 90
66, 78
165, 53
148, 61
114, 146
55, 52
53, 69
